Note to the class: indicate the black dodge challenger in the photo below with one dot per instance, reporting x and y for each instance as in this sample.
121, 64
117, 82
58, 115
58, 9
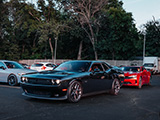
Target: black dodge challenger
73, 79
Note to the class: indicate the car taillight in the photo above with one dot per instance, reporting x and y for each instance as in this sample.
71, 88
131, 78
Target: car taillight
43, 68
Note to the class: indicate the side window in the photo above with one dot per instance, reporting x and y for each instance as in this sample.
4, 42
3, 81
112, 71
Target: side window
109, 66
49, 65
105, 66
2, 65
96, 66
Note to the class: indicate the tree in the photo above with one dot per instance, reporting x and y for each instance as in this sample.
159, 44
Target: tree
118, 35
27, 24
9, 44
48, 14
87, 12
152, 38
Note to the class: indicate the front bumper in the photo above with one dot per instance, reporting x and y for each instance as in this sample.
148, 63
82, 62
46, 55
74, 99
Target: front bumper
130, 82
49, 92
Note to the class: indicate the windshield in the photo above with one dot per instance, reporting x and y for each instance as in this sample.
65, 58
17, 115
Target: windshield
148, 65
133, 69
37, 65
78, 66
13, 65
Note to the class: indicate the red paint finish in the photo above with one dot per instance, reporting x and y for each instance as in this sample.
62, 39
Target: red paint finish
136, 78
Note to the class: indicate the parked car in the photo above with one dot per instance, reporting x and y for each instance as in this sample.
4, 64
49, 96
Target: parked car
42, 66
11, 72
136, 76
71, 80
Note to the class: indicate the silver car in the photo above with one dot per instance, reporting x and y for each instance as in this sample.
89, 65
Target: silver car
11, 72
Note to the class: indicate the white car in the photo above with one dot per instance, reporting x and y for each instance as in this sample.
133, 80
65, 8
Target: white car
42, 66
11, 72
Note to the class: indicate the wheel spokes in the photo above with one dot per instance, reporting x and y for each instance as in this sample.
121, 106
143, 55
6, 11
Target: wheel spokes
76, 92
116, 87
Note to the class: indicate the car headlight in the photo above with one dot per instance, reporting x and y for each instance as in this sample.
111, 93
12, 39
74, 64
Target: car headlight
55, 81
24, 79
121, 75
133, 76
58, 81
20, 74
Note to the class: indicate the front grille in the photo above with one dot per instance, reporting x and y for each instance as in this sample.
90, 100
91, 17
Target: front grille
38, 92
39, 81
127, 83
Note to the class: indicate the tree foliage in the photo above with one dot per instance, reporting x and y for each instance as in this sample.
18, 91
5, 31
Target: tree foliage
152, 38
71, 29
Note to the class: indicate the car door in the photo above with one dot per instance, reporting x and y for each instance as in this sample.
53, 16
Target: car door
97, 80
3, 72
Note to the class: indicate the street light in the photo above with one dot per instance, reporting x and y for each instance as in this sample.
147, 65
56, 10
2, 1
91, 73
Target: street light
144, 46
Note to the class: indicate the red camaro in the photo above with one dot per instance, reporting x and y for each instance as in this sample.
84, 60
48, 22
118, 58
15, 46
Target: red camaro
136, 76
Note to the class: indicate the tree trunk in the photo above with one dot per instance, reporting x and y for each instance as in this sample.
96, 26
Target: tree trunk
55, 51
80, 51
50, 43
95, 52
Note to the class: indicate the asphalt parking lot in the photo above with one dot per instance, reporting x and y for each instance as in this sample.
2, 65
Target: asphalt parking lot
130, 104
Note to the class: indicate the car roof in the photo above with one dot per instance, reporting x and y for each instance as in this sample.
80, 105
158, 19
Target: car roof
93, 61
42, 62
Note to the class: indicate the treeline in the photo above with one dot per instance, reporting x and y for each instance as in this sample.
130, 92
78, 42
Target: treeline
73, 29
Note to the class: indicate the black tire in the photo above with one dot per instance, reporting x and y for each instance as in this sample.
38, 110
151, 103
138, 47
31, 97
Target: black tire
12, 80
140, 83
74, 92
115, 87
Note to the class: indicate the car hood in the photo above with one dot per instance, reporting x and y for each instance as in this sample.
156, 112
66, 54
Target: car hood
62, 75
23, 71
129, 73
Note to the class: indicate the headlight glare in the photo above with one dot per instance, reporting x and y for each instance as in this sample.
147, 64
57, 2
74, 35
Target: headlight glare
134, 76
57, 81
20, 74
121, 75
24, 79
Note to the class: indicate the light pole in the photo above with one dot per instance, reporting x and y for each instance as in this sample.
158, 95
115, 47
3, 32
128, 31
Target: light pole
144, 46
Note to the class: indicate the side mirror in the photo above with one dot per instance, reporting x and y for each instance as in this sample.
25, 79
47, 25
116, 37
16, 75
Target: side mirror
1, 67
